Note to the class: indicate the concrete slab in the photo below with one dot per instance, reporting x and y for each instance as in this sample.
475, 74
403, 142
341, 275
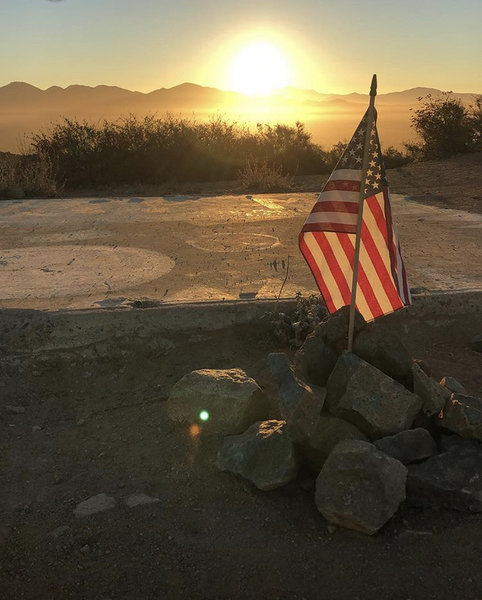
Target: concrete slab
106, 252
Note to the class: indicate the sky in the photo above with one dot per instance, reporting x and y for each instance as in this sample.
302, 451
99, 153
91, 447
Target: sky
331, 46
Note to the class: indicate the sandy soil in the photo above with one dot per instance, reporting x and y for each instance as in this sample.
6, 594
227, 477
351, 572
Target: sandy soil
108, 251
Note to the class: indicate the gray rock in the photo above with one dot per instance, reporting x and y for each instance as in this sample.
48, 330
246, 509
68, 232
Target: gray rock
376, 404
463, 415
450, 480
360, 487
316, 360
383, 349
93, 505
433, 395
476, 343
328, 433
14, 410
300, 405
453, 441
229, 399
408, 446
453, 385
59, 532
334, 330
264, 454
139, 499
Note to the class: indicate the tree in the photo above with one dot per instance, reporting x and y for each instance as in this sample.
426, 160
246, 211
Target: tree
446, 126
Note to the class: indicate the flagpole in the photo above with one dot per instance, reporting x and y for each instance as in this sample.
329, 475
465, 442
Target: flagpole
366, 152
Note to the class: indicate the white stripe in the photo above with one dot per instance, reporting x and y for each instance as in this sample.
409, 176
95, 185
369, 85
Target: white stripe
361, 302
350, 174
332, 217
339, 196
325, 271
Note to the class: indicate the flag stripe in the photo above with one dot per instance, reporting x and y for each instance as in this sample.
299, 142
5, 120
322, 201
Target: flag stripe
315, 260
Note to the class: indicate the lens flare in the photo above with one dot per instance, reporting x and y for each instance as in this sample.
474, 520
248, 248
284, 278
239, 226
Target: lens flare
204, 415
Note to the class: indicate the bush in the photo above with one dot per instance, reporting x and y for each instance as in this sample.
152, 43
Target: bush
169, 150
446, 127
259, 176
27, 176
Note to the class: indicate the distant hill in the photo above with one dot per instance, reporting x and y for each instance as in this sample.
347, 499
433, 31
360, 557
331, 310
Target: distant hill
26, 109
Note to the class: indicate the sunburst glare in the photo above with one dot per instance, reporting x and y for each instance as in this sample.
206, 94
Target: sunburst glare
259, 68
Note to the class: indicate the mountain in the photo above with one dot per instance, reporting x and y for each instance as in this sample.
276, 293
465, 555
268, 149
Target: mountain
26, 109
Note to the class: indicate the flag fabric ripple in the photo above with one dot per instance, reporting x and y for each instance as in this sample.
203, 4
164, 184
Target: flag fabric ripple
327, 240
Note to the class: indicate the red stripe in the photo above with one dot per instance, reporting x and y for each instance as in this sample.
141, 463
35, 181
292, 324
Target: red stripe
336, 227
383, 275
390, 239
313, 265
335, 206
347, 185
363, 281
340, 279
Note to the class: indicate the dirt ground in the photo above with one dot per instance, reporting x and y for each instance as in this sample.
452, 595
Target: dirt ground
93, 423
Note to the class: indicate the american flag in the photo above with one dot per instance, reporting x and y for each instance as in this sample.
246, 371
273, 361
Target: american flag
327, 240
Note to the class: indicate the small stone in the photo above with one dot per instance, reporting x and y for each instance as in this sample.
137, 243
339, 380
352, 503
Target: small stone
433, 395
476, 343
14, 410
449, 480
85, 548
300, 404
93, 505
408, 446
36, 428
139, 499
372, 401
59, 532
462, 415
453, 385
360, 487
264, 454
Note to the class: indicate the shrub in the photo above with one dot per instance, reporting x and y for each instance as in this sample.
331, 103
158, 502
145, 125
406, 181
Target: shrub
446, 127
27, 176
169, 149
259, 176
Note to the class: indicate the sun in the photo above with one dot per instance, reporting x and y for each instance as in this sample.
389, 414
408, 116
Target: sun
259, 68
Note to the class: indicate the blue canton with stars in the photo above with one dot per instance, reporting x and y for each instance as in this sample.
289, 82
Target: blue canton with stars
353, 157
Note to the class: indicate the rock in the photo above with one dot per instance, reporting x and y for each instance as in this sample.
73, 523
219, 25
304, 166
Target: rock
453, 385
300, 405
14, 410
93, 505
360, 487
334, 330
139, 499
376, 404
433, 395
449, 441
476, 343
59, 532
450, 480
384, 350
36, 428
463, 415
316, 360
229, 398
264, 454
329, 432
408, 446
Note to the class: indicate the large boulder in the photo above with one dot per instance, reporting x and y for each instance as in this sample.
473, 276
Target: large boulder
453, 385
300, 404
334, 330
328, 433
433, 395
264, 454
228, 400
463, 415
360, 487
316, 360
383, 349
450, 480
375, 403
413, 445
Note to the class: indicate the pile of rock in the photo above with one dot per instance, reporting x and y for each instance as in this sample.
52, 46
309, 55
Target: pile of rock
372, 424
